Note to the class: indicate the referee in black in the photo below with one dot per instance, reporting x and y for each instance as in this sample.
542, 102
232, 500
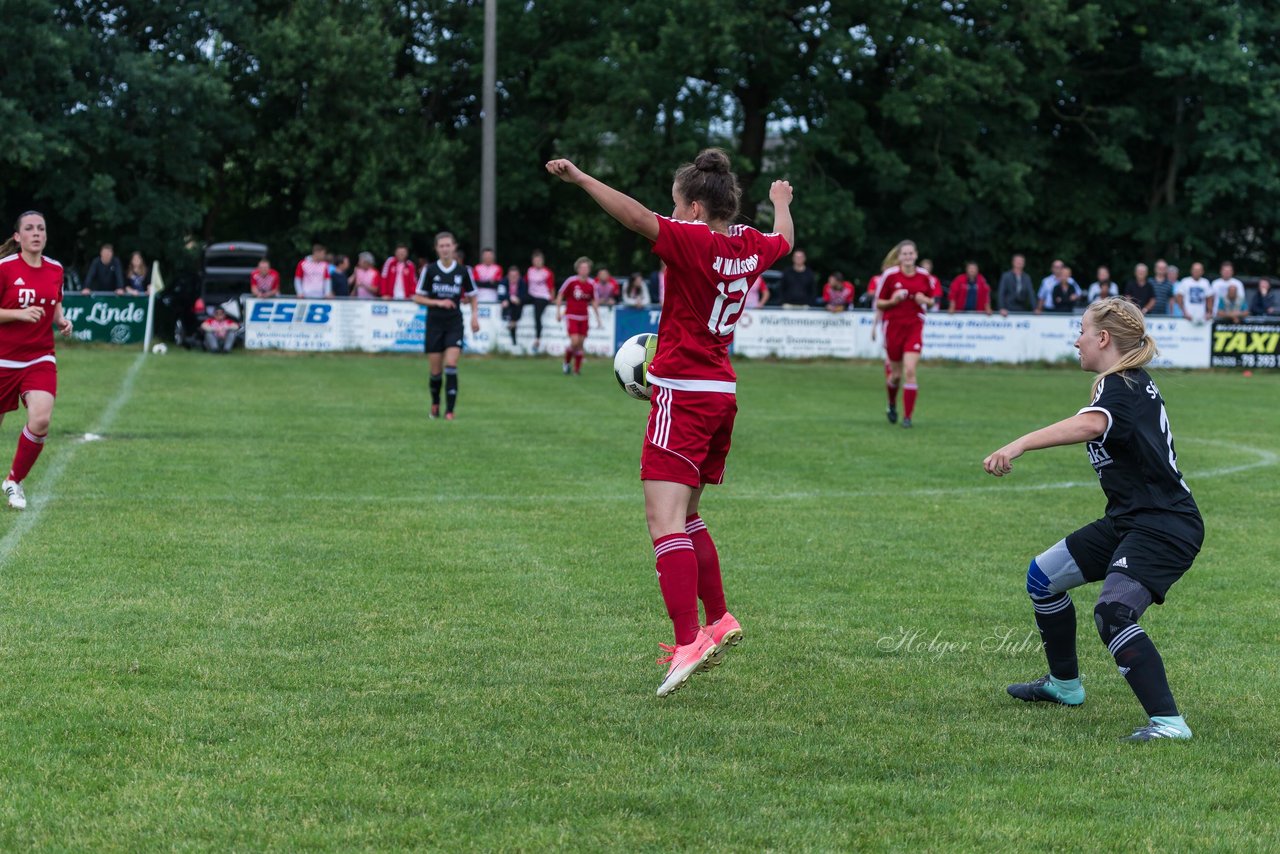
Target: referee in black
1149, 537
442, 287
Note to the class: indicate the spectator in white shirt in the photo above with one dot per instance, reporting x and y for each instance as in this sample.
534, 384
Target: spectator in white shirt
1226, 278
1194, 296
1044, 298
1103, 287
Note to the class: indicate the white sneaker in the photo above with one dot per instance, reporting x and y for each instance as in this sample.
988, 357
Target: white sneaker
17, 498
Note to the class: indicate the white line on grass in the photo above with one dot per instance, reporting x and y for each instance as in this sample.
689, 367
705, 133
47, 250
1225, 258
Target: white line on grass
28, 518
1265, 459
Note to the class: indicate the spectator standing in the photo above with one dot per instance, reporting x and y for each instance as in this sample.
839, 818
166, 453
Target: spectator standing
542, 290
137, 279
757, 294
798, 283
636, 294
105, 274
339, 275
1194, 296
366, 281
1065, 296
399, 275
219, 332
513, 293
311, 276
1162, 288
658, 283
1171, 304
608, 291
1232, 308
1044, 297
488, 277
264, 282
1226, 278
1016, 292
837, 294
970, 291
1266, 302
1139, 290
1102, 288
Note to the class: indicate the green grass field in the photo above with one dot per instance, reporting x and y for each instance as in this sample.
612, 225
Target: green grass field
276, 608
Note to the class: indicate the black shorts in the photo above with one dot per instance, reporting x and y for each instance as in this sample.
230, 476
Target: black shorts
444, 334
513, 312
1155, 560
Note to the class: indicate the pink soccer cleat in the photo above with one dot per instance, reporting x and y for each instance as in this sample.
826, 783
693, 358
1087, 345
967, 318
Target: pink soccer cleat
685, 661
724, 632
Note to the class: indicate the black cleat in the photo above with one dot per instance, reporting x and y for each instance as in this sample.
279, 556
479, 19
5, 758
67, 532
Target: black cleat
892, 415
1043, 690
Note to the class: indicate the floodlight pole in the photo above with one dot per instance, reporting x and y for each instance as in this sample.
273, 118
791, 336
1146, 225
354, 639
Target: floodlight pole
488, 156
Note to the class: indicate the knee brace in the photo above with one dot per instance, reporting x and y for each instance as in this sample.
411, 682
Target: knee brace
1052, 572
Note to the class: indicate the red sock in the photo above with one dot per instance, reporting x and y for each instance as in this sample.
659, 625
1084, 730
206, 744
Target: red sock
710, 586
908, 399
29, 447
678, 578
568, 355
577, 359
893, 392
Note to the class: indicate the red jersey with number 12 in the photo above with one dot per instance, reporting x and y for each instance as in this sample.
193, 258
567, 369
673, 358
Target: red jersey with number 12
708, 276
21, 286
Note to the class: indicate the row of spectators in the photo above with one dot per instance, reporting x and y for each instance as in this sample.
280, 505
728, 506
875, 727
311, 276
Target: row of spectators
107, 275
1161, 291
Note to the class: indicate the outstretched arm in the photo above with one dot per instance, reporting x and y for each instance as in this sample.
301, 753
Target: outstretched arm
620, 206
1070, 431
780, 195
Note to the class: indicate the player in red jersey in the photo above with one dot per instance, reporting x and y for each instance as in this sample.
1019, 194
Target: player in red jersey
30, 307
264, 281
710, 266
572, 300
905, 293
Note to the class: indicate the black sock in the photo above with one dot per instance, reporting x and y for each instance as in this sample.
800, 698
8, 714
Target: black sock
450, 387
1056, 620
1143, 668
513, 336
436, 381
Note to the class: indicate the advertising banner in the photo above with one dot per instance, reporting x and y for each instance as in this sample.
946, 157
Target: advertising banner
1246, 345
554, 338
106, 317
633, 321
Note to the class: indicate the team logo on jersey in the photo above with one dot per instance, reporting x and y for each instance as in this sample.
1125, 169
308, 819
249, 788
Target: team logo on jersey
26, 296
1123, 563
1098, 455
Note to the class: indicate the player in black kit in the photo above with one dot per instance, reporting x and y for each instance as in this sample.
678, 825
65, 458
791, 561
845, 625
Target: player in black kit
442, 287
1148, 538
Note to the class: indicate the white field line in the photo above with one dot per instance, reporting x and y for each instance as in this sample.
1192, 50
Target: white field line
1264, 459
35, 507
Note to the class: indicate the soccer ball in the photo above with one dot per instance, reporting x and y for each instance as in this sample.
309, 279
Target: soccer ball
160, 349
631, 363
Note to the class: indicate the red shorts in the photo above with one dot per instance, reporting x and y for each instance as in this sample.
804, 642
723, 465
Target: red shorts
16, 382
902, 338
577, 327
688, 437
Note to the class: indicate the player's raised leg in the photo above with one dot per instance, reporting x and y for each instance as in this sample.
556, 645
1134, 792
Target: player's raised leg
1049, 577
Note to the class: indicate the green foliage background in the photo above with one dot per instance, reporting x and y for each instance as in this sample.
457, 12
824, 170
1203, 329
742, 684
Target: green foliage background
1100, 132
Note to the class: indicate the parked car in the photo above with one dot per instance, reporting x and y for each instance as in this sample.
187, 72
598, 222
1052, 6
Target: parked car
224, 281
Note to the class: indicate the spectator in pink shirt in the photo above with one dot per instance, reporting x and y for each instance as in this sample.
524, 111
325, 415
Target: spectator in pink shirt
265, 281
366, 283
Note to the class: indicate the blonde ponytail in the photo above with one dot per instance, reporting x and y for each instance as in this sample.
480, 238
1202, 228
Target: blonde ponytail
1124, 321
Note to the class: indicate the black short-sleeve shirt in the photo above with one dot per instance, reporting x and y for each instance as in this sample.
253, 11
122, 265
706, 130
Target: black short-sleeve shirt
438, 283
1135, 459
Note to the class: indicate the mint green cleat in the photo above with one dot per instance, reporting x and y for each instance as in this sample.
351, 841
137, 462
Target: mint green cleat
1046, 690
1172, 727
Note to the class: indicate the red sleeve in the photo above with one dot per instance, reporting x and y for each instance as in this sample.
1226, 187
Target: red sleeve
885, 285
565, 284
386, 267
937, 286
297, 271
